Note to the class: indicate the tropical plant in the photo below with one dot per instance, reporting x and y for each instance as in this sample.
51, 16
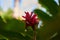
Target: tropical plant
14, 29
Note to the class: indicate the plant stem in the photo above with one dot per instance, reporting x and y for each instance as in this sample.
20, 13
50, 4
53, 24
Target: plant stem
34, 35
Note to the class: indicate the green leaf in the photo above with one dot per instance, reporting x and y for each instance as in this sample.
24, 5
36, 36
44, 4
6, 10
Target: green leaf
11, 35
42, 15
51, 5
2, 24
15, 25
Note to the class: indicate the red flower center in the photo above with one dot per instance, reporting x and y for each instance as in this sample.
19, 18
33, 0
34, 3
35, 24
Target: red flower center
31, 18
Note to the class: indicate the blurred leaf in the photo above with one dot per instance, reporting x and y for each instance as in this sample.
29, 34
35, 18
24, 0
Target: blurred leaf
43, 16
8, 14
2, 37
51, 24
51, 5
47, 30
57, 37
12, 35
2, 24
15, 25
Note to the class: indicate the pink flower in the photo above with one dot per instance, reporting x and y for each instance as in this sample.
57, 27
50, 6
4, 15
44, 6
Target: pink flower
30, 19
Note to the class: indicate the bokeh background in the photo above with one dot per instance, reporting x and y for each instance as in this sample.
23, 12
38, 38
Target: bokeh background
12, 26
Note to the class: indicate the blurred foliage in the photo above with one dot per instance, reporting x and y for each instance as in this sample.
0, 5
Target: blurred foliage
13, 29
7, 14
51, 23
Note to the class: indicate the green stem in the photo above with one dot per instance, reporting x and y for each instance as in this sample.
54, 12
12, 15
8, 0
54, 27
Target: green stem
34, 35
